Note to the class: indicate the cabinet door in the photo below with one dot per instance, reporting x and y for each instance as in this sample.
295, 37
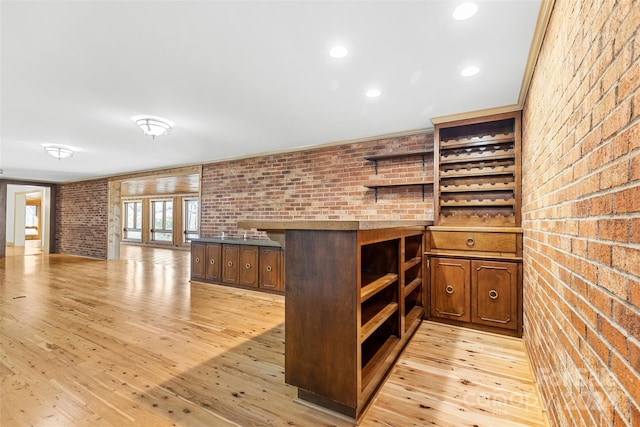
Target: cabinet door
270, 271
230, 258
248, 267
494, 298
214, 258
197, 260
450, 293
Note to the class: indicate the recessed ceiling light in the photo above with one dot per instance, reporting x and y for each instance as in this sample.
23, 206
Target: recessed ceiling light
338, 52
373, 93
465, 11
470, 71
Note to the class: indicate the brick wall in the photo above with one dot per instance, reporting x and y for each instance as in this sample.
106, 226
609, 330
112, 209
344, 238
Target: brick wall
323, 183
581, 214
81, 213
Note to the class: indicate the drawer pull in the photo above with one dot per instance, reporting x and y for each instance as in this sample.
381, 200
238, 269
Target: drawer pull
268, 268
230, 264
247, 266
470, 242
213, 261
449, 289
493, 294
197, 259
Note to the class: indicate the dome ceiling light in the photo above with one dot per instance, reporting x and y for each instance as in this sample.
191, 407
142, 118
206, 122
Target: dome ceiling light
153, 126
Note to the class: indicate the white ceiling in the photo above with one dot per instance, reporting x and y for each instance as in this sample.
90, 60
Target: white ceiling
239, 77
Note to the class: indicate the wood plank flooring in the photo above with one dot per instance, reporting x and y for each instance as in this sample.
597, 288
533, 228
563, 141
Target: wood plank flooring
131, 342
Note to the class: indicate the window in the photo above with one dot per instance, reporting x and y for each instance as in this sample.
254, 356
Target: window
133, 220
162, 220
190, 219
31, 221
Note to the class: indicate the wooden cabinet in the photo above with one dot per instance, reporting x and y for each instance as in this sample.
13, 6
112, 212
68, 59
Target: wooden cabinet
230, 260
270, 269
353, 300
198, 260
480, 292
248, 266
234, 262
451, 289
475, 248
214, 261
476, 277
494, 294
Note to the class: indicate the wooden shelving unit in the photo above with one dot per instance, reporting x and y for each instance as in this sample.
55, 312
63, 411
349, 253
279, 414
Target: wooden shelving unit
474, 251
423, 183
477, 167
354, 298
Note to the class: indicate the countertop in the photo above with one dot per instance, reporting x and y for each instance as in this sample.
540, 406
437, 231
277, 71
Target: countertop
249, 242
270, 225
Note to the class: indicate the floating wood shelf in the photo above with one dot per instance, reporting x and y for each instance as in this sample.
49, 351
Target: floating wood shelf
375, 186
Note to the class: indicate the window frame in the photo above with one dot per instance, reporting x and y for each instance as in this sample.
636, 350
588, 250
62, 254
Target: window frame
125, 216
152, 229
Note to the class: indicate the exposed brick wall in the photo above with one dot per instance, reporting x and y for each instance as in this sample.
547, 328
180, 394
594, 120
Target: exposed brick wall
581, 214
81, 213
323, 183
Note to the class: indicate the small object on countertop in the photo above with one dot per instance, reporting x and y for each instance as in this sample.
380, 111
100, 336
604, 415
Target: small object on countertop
20, 296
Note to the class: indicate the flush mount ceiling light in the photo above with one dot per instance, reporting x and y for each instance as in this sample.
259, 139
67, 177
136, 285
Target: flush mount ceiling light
470, 71
58, 151
338, 52
465, 11
373, 93
153, 126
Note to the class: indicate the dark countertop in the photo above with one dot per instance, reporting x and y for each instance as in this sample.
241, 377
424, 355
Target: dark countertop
248, 242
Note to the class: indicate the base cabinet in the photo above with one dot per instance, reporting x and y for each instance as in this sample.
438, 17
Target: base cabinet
256, 264
451, 289
475, 277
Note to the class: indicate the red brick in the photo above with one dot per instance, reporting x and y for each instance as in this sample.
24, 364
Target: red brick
627, 201
634, 172
629, 378
600, 252
614, 229
613, 335
627, 259
601, 205
628, 318
618, 119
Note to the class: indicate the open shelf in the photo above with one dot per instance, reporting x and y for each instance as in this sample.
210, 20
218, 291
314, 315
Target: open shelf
375, 363
378, 319
414, 315
476, 157
400, 154
413, 261
475, 203
463, 188
375, 286
413, 285
477, 141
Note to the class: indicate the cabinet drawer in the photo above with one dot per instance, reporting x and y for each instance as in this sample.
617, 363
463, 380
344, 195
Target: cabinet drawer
474, 241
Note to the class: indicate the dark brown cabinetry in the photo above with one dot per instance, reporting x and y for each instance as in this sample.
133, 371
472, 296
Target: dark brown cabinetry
213, 260
249, 264
475, 248
451, 289
271, 269
354, 298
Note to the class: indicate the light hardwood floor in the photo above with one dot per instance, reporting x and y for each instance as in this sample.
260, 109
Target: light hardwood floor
131, 342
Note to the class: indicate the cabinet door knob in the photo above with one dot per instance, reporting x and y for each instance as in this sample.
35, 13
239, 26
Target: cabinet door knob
268, 268
230, 264
247, 266
493, 294
213, 261
449, 289
197, 259
470, 242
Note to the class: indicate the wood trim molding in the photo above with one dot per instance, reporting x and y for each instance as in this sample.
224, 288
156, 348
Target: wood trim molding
544, 15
